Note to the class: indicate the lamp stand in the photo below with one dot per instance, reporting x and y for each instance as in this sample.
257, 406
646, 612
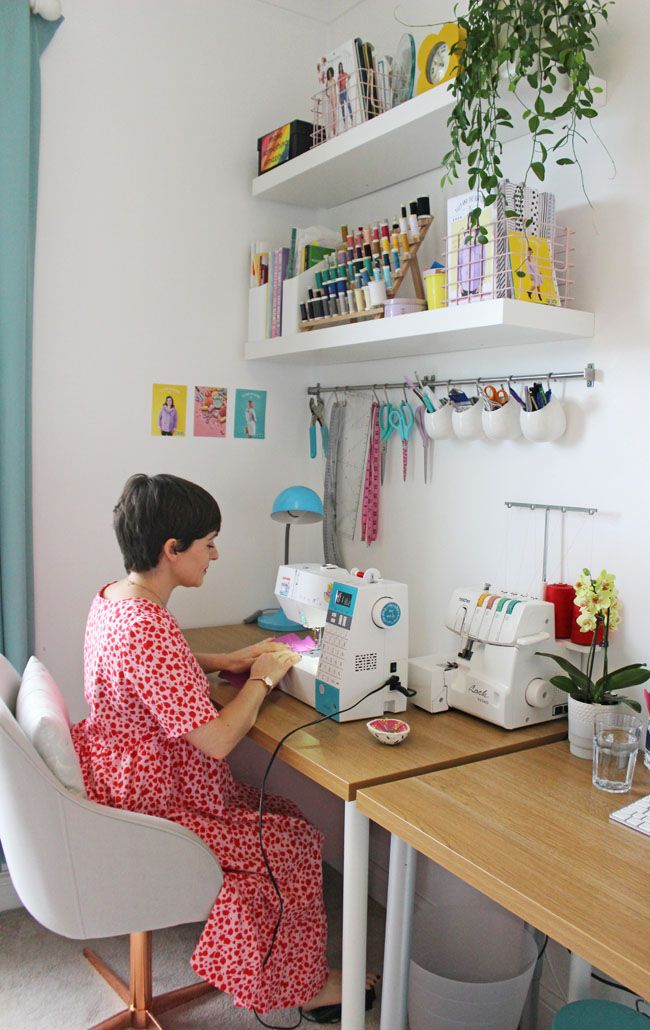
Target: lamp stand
275, 621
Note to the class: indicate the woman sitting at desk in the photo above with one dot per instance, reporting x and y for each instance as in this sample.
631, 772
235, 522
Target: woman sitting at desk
154, 743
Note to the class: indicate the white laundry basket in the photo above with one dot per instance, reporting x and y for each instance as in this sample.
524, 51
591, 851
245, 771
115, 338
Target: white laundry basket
471, 969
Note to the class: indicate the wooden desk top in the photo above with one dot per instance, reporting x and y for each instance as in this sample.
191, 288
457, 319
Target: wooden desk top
343, 757
531, 832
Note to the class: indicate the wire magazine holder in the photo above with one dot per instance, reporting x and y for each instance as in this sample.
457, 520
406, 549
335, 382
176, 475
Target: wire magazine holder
347, 102
512, 263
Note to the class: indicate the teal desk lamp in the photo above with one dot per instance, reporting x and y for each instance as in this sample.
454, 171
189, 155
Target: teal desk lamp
296, 504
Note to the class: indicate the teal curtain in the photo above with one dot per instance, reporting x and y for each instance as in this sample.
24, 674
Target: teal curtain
23, 38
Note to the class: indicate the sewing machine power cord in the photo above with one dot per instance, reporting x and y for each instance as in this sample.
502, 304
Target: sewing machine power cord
394, 683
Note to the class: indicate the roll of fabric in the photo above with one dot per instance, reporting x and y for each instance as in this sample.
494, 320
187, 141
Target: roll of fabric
561, 596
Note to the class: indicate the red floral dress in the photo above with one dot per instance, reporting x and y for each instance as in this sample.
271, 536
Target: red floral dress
145, 691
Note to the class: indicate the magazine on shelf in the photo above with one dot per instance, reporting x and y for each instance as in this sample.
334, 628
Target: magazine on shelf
531, 255
340, 101
530, 230
472, 264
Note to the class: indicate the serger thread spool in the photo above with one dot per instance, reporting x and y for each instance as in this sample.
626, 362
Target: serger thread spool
561, 596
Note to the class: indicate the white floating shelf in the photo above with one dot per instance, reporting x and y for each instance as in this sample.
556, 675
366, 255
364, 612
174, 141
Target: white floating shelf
490, 323
397, 145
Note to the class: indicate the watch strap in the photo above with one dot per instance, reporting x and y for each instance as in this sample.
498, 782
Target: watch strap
261, 679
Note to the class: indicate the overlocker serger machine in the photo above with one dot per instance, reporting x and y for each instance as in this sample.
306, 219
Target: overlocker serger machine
362, 622
496, 674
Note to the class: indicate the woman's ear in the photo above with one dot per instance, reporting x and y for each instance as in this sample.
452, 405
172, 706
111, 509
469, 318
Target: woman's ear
170, 549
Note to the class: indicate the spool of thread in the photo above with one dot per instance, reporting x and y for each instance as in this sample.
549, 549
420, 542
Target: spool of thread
579, 636
561, 596
377, 292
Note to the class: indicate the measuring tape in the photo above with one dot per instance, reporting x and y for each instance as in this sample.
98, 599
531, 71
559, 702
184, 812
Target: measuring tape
370, 507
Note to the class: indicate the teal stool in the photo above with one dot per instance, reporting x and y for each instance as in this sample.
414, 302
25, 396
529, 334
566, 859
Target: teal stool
599, 1015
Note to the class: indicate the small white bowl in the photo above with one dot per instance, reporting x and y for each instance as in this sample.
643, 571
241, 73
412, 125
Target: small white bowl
389, 731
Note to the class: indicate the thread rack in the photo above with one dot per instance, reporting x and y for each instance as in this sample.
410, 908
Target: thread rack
410, 265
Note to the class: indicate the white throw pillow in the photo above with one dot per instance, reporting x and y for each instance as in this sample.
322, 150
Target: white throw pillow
43, 716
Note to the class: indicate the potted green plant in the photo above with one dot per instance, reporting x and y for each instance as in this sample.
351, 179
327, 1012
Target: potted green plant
600, 614
537, 44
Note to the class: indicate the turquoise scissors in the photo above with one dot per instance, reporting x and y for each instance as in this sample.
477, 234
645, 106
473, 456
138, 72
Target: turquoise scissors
393, 419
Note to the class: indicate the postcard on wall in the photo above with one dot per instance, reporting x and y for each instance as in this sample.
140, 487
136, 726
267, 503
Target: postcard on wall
250, 414
210, 410
532, 256
168, 409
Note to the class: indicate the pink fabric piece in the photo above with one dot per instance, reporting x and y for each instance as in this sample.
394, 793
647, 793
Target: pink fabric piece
295, 642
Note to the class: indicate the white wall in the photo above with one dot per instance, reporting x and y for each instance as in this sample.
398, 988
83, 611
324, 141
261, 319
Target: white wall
151, 114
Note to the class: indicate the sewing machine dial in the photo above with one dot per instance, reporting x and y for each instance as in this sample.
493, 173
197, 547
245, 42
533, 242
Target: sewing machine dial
386, 613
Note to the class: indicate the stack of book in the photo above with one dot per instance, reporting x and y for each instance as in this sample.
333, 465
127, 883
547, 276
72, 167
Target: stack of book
270, 267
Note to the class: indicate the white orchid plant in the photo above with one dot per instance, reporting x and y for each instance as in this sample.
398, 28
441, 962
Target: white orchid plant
600, 613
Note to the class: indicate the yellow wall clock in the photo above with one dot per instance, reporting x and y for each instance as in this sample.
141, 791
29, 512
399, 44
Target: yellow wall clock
436, 63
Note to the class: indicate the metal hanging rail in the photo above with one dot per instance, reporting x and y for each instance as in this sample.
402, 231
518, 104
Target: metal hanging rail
588, 374
546, 508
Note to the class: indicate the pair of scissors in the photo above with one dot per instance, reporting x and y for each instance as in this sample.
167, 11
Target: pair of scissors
401, 419
317, 408
496, 396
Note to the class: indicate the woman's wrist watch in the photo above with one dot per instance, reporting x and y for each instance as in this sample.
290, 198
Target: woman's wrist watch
266, 680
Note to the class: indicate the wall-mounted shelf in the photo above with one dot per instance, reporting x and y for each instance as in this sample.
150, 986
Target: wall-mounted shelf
397, 145
490, 323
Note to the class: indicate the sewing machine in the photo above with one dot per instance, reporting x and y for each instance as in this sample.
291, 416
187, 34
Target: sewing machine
361, 622
496, 674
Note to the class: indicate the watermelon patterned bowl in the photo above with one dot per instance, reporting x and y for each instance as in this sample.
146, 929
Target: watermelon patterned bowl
389, 731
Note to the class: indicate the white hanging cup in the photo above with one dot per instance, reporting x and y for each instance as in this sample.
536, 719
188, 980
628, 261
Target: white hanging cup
502, 423
437, 424
467, 424
545, 424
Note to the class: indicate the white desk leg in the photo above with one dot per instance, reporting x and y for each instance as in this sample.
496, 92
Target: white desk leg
355, 917
579, 979
399, 924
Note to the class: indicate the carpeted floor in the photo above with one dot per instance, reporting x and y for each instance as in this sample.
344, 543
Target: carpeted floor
46, 984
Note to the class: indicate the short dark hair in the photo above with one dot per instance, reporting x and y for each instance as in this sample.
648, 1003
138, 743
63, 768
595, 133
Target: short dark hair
153, 509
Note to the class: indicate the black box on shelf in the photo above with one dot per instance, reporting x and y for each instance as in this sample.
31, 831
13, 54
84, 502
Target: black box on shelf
283, 144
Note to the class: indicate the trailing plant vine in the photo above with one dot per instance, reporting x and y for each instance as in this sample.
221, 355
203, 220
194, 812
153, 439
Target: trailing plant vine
532, 42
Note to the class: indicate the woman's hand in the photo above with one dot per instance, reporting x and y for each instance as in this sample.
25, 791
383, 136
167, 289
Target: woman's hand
275, 664
242, 660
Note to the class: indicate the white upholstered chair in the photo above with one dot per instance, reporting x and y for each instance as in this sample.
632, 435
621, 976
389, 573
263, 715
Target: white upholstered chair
85, 870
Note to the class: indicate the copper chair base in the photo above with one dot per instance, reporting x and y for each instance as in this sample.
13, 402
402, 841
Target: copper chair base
143, 1007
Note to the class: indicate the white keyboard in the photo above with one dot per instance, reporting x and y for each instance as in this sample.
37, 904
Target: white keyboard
636, 815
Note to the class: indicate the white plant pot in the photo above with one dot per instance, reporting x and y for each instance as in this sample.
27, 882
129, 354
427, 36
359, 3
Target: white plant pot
581, 727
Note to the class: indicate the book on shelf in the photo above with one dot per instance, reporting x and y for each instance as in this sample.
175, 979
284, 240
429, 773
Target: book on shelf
471, 262
369, 78
314, 254
259, 270
340, 100
280, 262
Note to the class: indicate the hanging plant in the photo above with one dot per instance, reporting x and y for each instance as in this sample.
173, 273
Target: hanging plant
534, 42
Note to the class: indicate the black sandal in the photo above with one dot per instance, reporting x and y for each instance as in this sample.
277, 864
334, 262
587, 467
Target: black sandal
332, 1013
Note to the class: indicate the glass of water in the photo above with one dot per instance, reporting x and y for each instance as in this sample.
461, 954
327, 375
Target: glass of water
616, 742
